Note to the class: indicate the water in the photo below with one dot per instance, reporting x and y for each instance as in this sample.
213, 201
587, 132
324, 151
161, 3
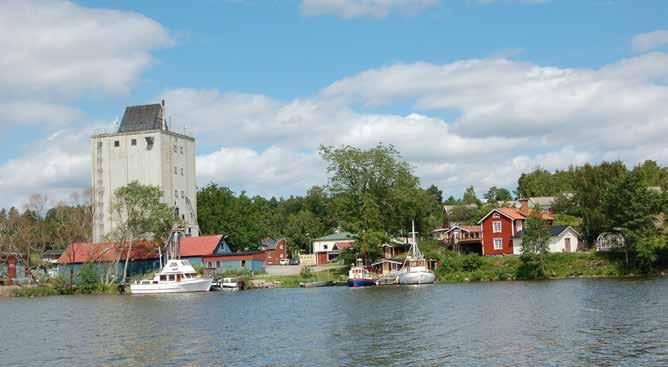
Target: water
552, 323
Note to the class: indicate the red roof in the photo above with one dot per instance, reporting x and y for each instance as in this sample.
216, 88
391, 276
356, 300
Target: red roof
471, 229
199, 246
342, 245
515, 213
103, 252
141, 250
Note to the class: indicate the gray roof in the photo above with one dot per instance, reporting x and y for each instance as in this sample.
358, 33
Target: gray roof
142, 118
270, 243
554, 231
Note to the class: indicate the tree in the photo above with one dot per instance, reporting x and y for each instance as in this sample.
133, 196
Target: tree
375, 190
300, 228
535, 246
497, 194
436, 193
632, 210
140, 215
470, 196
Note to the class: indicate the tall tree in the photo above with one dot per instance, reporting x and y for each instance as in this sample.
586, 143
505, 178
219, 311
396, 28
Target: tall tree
436, 193
497, 194
470, 197
535, 240
140, 215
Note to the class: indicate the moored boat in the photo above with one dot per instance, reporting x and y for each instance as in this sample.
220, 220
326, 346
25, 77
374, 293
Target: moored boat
178, 276
360, 276
415, 270
326, 283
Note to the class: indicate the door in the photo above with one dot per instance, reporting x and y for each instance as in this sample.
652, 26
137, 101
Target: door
11, 267
567, 242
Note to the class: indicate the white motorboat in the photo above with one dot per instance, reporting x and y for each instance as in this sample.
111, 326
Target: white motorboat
229, 284
178, 276
415, 269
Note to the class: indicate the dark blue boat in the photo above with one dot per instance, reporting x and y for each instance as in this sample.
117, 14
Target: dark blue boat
361, 282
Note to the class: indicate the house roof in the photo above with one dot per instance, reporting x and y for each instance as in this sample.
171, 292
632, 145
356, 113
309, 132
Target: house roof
270, 243
342, 245
104, 252
199, 246
141, 250
387, 261
338, 236
448, 208
558, 230
515, 213
142, 118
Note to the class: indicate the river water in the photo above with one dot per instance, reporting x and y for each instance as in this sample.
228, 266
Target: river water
576, 322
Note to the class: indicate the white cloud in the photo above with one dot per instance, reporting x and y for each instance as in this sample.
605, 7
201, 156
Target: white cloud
364, 8
57, 48
649, 41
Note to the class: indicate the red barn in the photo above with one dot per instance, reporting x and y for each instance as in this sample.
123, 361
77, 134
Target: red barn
501, 224
275, 250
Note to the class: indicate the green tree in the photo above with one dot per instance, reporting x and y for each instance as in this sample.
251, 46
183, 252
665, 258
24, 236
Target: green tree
470, 196
535, 246
632, 210
301, 228
497, 194
140, 214
436, 193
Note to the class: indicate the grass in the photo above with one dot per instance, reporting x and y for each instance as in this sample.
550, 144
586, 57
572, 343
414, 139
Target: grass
292, 281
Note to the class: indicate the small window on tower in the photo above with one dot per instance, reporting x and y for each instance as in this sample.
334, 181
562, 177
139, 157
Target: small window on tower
176, 171
181, 171
182, 195
174, 148
99, 144
117, 143
181, 150
176, 193
134, 142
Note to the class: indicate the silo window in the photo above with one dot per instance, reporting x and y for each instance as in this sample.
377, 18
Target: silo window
181, 150
117, 143
181, 171
176, 171
134, 142
99, 144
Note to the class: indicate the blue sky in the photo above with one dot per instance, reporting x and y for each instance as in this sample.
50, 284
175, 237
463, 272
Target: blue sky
471, 92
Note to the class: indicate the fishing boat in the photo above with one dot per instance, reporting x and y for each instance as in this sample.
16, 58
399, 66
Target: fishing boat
229, 284
415, 269
177, 276
360, 276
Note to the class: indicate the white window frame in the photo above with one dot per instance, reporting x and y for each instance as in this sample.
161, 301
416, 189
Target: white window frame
496, 215
494, 226
498, 241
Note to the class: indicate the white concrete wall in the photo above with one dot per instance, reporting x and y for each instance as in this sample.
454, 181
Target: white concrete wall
115, 167
319, 246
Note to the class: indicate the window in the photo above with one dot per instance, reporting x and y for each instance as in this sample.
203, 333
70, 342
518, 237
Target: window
117, 143
177, 210
176, 193
175, 149
176, 171
496, 227
163, 278
519, 225
133, 142
182, 195
99, 144
496, 215
218, 264
324, 247
181, 150
172, 277
498, 244
243, 263
181, 171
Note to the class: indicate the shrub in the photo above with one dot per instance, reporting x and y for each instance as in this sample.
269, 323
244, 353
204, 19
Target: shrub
471, 262
306, 272
89, 280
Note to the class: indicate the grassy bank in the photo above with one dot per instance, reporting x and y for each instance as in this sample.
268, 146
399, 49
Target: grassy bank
565, 265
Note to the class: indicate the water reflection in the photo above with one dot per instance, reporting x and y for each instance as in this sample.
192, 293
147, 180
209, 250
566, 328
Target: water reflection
555, 323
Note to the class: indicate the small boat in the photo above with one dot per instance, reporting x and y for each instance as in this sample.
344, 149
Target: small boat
178, 276
229, 284
326, 283
360, 276
415, 269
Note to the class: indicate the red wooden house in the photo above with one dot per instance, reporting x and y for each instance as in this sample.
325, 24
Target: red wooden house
275, 250
501, 224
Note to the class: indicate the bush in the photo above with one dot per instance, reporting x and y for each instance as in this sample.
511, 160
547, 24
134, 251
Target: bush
41, 291
471, 262
89, 280
306, 272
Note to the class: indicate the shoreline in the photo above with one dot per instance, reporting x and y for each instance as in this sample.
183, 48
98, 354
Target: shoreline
6, 291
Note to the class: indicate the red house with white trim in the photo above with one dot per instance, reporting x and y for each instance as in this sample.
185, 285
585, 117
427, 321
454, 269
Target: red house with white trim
501, 224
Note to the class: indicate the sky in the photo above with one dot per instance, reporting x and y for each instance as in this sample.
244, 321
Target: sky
470, 92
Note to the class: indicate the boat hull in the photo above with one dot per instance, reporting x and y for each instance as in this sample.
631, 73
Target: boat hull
361, 282
195, 285
417, 277
316, 284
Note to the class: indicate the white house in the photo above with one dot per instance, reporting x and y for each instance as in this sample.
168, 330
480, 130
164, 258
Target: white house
562, 239
327, 248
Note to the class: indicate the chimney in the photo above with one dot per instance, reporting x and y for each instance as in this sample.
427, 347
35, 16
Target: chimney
524, 206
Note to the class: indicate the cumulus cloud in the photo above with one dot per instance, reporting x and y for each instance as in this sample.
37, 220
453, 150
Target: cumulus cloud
649, 41
62, 49
364, 8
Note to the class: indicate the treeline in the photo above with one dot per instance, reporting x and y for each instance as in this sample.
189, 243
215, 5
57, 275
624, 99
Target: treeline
37, 228
370, 192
